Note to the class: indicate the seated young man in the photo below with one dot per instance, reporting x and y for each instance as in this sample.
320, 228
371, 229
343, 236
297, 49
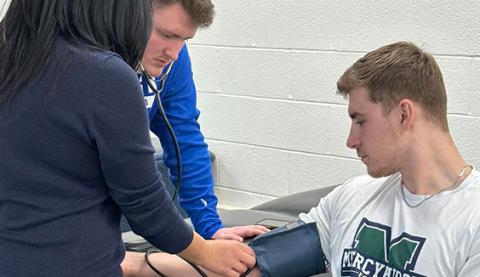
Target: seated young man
416, 214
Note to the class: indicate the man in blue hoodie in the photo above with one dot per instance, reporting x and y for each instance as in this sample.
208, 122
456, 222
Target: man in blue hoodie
176, 21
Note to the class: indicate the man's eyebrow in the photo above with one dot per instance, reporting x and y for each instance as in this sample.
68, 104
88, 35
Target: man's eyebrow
158, 30
353, 115
164, 32
173, 35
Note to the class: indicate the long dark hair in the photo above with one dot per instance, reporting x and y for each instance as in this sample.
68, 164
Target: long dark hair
30, 28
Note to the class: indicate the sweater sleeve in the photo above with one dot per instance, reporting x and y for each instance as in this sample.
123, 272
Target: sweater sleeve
196, 193
119, 127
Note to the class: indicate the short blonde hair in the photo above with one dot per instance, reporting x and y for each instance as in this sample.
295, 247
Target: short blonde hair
399, 71
200, 11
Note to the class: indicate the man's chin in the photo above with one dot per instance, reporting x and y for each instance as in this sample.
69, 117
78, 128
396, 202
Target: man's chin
373, 175
379, 172
375, 172
153, 71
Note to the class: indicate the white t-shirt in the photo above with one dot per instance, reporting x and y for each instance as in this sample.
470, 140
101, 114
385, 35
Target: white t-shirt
367, 229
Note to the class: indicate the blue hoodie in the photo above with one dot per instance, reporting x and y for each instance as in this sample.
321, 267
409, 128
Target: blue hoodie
179, 100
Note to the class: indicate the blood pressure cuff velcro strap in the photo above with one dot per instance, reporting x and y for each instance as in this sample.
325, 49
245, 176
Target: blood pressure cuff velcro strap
291, 250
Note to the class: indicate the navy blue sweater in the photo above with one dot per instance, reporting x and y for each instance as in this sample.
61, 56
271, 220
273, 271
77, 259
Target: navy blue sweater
75, 152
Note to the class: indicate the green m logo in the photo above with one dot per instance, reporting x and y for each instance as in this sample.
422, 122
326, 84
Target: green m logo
374, 252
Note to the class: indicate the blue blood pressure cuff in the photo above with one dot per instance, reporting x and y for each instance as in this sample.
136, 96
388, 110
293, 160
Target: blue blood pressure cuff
290, 250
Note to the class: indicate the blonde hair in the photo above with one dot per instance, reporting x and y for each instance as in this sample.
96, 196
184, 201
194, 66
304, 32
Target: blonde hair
200, 11
399, 71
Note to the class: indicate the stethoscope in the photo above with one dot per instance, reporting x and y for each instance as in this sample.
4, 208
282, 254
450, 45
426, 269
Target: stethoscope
157, 91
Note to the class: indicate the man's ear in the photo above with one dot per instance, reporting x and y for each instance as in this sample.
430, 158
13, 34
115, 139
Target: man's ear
407, 113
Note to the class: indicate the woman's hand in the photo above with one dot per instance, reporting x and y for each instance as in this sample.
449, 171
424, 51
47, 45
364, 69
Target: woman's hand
225, 257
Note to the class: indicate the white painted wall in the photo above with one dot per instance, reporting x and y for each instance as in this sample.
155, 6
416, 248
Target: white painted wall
3, 7
266, 73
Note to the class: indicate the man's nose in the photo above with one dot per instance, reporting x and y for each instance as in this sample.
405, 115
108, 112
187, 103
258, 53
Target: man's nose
174, 48
352, 140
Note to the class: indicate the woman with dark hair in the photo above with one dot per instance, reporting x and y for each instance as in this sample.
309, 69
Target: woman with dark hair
75, 153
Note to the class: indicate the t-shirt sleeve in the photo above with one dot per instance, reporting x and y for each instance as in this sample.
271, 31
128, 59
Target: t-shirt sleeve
471, 267
322, 215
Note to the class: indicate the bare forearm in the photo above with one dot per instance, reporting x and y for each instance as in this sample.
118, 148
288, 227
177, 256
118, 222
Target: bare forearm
134, 265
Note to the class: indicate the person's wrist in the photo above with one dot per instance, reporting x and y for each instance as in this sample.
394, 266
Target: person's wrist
198, 250
216, 233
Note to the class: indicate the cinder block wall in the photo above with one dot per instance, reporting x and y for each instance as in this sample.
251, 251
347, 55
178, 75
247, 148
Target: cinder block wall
3, 7
266, 73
